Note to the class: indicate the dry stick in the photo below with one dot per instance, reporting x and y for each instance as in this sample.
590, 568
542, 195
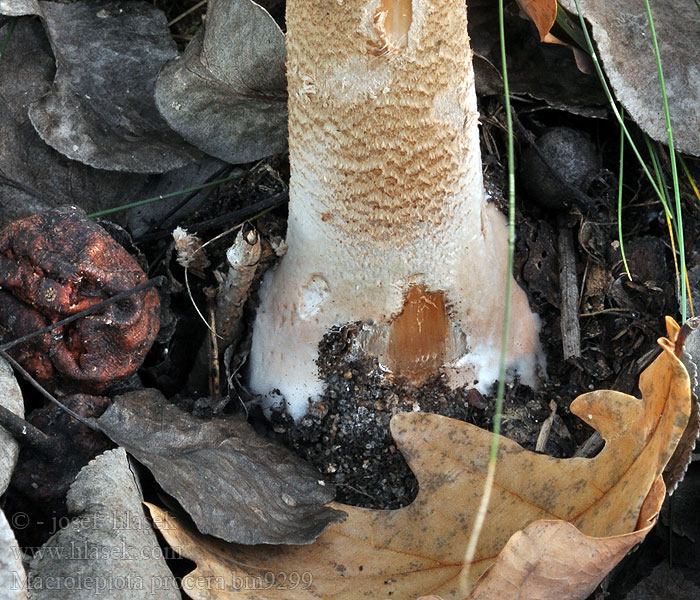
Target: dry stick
242, 259
214, 373
44, 392
26, 434
546, 429
236, 216
94, 308
590, 447
570, 327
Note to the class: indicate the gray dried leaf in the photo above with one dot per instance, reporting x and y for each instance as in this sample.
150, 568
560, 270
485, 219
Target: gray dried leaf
663, 583
234, 484
33, 176
108, 549
621, 32
101, 110
12, 576
18, 8
11, 399
227, 93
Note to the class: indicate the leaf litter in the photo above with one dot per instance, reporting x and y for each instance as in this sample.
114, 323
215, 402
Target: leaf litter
650, 503
604, 504
108, 547
227, 93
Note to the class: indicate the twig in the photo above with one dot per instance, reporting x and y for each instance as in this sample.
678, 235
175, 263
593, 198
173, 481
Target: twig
546, 429
590, 447
214, 372
570, 327
608, 311
44, 392
236, 216
25, 433
94, 308
187, 12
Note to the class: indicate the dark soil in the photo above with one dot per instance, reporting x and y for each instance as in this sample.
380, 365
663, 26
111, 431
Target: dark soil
346, 434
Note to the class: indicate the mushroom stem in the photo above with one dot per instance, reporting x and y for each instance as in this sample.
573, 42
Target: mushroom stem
388, 219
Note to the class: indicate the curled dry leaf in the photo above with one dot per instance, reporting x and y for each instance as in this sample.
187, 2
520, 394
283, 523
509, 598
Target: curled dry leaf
34, 176
233, 483
542, 12
545, 71
603, 506
227, 93
101, 109
108, 549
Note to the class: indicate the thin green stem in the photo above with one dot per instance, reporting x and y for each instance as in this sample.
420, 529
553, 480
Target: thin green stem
611, 101
498, 409
194, 188
619, 204
660, 181
674, 166
493, 451
570, 28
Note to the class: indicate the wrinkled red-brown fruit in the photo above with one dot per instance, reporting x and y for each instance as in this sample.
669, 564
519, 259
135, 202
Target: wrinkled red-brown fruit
55, 264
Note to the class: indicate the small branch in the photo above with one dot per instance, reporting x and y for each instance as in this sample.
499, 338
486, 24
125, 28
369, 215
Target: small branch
590, 447
546, 429
35, 384
570, 327
144, 286
26, 434
237, 216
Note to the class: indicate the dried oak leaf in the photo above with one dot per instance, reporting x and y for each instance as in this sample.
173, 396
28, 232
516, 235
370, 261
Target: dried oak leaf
553, 527
58, 263
233, 483
543, 13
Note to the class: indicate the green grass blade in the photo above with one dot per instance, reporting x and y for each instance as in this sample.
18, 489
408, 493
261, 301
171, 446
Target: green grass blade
674, 166
188, 190
498, 409
619, 204
611, 101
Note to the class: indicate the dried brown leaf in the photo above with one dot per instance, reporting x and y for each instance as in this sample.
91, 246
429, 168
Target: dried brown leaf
543, 13
419, 550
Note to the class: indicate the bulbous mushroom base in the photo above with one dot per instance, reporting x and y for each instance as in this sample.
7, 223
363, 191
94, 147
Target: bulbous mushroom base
415, 328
